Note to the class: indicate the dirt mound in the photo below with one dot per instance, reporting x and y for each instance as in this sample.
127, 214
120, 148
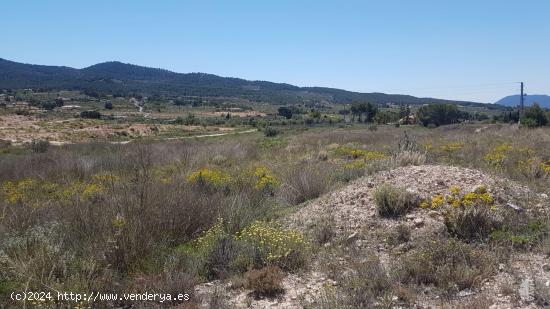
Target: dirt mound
352, 212
354, 205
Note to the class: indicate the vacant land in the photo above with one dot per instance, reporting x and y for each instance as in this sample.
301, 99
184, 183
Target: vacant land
243, 204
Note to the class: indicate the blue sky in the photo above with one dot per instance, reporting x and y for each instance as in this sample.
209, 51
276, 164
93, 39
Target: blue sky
468, 50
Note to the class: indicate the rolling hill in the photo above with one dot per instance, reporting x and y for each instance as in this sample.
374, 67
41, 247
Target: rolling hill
123, 79
513, 100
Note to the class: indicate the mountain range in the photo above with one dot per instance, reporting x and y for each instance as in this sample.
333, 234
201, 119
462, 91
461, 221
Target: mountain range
124, 79
513, 100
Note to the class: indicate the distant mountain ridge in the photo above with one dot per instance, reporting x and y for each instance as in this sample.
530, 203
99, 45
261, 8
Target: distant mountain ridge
513, 100
123, 79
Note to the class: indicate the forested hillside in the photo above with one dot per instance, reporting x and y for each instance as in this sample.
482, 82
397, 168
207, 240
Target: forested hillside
123, 79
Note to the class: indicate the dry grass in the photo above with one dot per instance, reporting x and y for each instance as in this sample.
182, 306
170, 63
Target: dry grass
394, 202
132, 226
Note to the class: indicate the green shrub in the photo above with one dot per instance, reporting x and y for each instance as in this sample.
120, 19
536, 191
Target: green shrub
40, 146
534, 116
472, 223
323, 231
522, 233
450, 265
393, 201
399, 234
472, 216
270, 132
366, 286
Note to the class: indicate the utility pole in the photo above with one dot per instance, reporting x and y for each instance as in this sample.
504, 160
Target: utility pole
521, 105
521, 100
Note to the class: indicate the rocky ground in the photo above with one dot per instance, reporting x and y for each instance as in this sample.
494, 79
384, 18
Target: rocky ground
357, 225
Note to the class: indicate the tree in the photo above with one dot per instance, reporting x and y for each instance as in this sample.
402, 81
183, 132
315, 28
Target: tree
59, 102
440, 114
534, 116
361, 108
403, 111
285, 112
385, 117
355, 111
370, 110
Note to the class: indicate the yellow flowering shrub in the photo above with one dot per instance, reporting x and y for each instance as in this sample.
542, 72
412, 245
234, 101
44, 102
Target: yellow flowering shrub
255, 246
360, 158
209, 177
275, 242
264, 180
354, 153
450, 147
479, 197
36, 193
435, 202
470, 215
497, 156
209, 238
355, 164
534, 167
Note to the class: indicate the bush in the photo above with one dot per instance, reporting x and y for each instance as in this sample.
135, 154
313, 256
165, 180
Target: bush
40, 146
473, 223
398, 235
90, 114
218, 254
450, 265
520, 231
534, 116
324, 230
270, 132
367, 285
265, 282
209, 179
285, 112
394, 202
471, 215
275, 244
189, 120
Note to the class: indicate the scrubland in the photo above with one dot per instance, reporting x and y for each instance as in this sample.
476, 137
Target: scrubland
172, 215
